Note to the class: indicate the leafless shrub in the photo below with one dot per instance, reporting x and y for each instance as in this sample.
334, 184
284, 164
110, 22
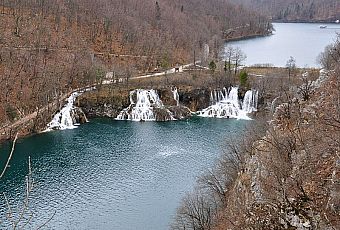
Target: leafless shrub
306, 88
21, 216
196, 212
202, 208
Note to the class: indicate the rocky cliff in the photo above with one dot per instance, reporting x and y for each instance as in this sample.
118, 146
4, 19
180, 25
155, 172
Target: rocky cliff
284, 174
108, 104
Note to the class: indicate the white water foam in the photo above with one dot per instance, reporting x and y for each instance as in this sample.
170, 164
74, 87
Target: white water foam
228, 105
65, 119
143, 108
250, 101
176, 95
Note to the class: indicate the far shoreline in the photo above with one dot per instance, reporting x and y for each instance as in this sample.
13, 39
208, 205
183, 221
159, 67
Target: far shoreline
306, 21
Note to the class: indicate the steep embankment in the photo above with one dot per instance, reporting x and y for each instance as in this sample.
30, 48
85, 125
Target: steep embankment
290, 178
281, 176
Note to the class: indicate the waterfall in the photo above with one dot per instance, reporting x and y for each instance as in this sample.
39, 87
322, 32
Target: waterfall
176, 96
66, 118
218, 95
233, 96
274, 104
249, 104
148, 107
228, 105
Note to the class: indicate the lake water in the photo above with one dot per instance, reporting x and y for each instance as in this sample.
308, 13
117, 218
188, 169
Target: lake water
130, 175
303, 41
114, 175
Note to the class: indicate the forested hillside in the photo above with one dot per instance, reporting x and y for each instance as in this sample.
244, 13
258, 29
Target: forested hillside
296, 10
50, 47
285, 173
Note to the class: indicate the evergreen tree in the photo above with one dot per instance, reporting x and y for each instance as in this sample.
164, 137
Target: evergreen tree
212, 66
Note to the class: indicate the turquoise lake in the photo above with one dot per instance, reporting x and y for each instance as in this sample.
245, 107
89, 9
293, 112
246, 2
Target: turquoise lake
110, 174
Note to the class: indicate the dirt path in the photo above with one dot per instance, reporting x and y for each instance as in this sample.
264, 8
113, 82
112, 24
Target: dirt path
11, 129
178, 69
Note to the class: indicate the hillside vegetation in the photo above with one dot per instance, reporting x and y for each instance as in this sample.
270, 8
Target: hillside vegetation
49, 48
282, 175
296, 10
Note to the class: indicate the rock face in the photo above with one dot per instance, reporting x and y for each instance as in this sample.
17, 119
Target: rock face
180, 112
195, 99
167, 97
108, 105
290, 178
162, 114
96, 104
79, 116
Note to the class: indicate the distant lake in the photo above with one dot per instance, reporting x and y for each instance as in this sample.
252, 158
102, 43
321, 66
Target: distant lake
303, 41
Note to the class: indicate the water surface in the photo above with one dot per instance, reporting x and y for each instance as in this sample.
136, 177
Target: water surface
114, 174
303, 41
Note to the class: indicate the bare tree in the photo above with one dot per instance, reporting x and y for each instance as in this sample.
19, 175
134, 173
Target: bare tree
22, 216
306, 88
291, 66
229, 53
196, 213
239, 57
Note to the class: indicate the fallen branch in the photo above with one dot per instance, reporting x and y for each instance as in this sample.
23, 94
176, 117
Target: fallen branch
10, 156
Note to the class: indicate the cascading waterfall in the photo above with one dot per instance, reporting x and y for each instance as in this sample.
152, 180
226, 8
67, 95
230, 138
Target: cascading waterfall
66, 119
250, 100
218, 95
176, 95
147, 101
228, 105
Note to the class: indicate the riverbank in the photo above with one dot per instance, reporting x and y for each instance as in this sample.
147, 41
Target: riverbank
292, 185
194, 90
283, 174
328, 21
32, 123
37, 121
241, 38
109, 99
